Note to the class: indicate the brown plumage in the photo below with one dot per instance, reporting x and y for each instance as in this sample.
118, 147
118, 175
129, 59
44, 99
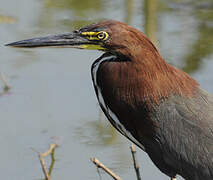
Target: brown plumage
157, 106
149, 74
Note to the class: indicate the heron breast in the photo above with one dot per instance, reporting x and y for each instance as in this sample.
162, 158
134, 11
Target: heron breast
111, 116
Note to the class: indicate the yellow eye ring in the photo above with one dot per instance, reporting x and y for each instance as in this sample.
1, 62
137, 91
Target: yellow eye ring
102, 35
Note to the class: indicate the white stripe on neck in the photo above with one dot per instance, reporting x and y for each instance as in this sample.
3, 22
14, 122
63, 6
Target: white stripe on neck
111, 115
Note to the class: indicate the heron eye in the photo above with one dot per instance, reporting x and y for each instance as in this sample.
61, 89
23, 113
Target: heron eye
102, 35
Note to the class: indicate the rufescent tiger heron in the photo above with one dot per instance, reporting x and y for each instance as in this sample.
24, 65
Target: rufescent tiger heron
155, 105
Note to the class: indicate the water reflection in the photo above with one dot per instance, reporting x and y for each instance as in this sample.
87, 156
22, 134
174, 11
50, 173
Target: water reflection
203, 45
4, 91
190, 5
70, 13
150, 13
129, 5
30, 58
80, 8
100, 133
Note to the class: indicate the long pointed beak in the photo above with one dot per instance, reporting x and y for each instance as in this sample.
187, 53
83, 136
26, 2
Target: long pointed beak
73, 39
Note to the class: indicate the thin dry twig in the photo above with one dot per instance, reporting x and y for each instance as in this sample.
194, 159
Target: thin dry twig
49, 151
136, 166
107, 170
44, 169
52, 161
4, 80
42, 155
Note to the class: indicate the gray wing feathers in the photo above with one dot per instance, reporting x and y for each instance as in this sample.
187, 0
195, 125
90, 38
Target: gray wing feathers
186, 135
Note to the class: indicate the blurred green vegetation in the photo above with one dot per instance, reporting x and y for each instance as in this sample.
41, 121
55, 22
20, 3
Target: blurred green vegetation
200, 49
80, 8
79, 11
7, 19
150, 13
201, 10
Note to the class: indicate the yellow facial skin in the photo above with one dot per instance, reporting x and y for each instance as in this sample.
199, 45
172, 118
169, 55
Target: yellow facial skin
97, 36
100, 36
91, 47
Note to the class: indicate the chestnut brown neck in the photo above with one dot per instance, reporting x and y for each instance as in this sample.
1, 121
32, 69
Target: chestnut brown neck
146, 76
160, 80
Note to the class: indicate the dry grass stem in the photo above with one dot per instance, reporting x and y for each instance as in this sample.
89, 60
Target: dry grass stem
107, 170
44, 169
49, 151
43, 165
136, 166
4, 80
